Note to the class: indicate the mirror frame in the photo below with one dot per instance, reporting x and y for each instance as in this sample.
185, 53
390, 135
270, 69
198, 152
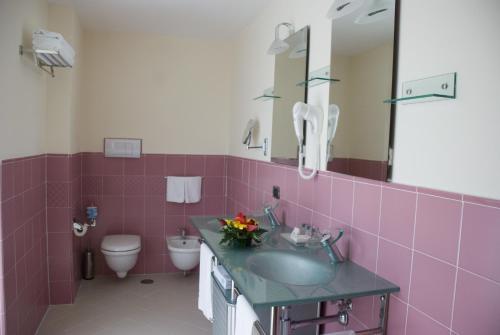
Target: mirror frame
394, 90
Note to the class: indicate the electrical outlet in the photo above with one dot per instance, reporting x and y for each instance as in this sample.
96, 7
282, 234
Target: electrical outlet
276, 192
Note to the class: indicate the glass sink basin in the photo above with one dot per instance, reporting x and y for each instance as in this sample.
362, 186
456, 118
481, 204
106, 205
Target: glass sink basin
290, 268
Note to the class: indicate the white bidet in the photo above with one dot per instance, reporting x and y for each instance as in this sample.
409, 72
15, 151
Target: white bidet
184, 251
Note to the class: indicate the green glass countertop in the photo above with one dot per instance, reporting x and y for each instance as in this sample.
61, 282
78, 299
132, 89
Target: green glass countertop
348, 279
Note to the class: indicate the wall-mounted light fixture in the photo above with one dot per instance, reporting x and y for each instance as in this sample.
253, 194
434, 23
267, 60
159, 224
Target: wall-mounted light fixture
279, 46
377, 10
341, 8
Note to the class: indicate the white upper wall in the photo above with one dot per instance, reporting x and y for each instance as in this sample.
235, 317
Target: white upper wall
172, 92
63, 91
22, 84
451, 145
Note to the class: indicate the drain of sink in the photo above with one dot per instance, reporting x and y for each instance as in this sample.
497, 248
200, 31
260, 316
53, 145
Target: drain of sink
147, 281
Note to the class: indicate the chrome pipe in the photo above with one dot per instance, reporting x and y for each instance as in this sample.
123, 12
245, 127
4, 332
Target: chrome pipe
313, 322
275, 320
373, 331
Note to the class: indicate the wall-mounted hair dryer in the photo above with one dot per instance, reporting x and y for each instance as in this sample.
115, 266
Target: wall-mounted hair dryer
333, 121
313, 117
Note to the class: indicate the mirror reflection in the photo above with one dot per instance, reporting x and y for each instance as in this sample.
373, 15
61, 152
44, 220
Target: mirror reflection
291, 68
362, 58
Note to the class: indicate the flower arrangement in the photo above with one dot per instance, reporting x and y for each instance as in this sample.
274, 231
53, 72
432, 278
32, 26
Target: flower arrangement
240, 231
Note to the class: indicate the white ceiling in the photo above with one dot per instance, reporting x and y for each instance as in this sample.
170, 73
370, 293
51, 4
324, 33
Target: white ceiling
192, 18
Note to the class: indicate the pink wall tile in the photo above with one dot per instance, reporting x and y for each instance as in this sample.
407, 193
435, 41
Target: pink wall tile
174, 208
482, 201
59, 244
321, 221
58, 194
397, 220
485, 296
394, 264
367, 207
437, 227
154, 165
235, 168
432, 287
111, 185
7, 181
304, 215
480, 246
134, 166
245, 174
363, 249
93, 185
397, 317
420, 324
195, 165
155, 185
134, 186
98, 165
342, 200
58, 168
154, 210
289, 189
213, 186
322, 196
60, 268
215, 166
214, 205
175, 165
134, 209
306, 193
111, 210
60, 293
364, 311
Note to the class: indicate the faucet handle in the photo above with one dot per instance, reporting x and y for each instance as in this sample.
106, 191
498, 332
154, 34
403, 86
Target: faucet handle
327, 237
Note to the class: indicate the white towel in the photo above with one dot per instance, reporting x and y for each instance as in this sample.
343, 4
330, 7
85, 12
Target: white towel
205, 282
245, 317
175, 189
192, 189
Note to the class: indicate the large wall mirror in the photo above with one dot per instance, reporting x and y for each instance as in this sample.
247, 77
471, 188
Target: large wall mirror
290, 72
364, 46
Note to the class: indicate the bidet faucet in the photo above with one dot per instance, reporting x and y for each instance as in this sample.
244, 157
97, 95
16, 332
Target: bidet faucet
271, 216
331, 248
183, 232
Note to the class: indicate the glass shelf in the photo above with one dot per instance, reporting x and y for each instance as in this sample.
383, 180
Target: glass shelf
318, 77
442, 87
267, 95
421, 98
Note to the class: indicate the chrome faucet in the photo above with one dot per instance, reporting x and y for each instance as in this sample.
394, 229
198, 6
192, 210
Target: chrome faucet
271, 216
331, 248
183, 233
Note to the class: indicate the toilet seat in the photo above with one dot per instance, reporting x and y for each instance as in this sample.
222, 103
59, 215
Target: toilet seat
121, 244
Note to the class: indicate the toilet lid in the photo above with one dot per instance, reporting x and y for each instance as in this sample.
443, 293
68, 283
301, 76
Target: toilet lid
121, 242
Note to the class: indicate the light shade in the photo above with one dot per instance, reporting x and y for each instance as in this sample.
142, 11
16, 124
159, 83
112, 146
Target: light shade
278, 46
341, 8
377, 10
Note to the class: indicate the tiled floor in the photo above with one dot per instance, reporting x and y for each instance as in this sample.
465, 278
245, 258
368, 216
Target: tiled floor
109, 306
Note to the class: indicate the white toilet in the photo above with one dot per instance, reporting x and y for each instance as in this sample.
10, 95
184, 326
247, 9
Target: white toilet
121, 252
